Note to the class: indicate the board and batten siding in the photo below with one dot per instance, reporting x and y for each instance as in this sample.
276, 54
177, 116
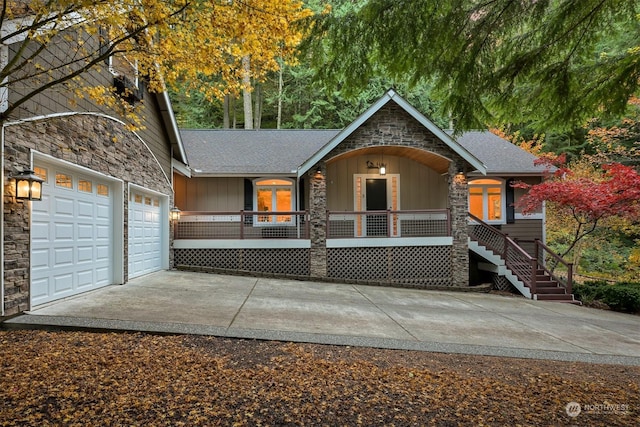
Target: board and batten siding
209, 194
420, 186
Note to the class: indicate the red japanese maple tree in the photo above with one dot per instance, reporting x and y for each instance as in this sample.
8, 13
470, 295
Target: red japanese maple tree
615, 193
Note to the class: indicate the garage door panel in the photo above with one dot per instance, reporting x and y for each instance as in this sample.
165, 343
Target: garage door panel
63, 257
85, 254
85, 209
63, 231
40, 231
85, 279
40, 259
85, 232
102, 252
103, 275
103, 211
138, 232
62, 283
64, 207
103, 232
40, 288
70, 242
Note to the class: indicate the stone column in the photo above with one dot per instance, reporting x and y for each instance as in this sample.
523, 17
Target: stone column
318, 220
459, 205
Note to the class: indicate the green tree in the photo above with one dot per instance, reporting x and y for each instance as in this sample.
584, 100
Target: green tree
552, 62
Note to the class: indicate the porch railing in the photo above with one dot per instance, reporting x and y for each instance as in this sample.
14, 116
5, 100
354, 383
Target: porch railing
366, 224
526, 267
555, 266
242, 225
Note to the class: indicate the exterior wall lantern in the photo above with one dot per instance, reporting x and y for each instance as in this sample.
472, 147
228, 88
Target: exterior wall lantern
174, 214
382, 168
28, 185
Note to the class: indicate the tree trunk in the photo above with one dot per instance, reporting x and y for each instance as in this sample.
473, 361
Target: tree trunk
246, 92
257, 113
226, 116
280, 86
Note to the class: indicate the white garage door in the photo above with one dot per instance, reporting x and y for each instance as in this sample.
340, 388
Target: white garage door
71, 234
145, 233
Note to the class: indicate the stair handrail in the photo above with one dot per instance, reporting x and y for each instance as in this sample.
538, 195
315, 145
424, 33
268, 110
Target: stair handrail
541, 250
516, 259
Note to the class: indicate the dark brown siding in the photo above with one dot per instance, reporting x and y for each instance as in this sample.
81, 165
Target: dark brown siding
525, 230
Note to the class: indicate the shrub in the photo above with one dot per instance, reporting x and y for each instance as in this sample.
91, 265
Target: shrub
621, 296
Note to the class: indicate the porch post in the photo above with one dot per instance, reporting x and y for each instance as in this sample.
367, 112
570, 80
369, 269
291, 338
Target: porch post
459, 204
318, 220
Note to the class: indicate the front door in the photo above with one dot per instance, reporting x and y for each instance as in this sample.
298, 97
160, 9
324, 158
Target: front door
376, 191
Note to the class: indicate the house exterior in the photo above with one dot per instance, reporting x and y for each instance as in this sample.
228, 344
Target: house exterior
384, 201
107, 190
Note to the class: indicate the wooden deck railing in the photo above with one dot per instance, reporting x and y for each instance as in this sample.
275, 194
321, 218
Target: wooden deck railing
295, 224
409, 223
242, 225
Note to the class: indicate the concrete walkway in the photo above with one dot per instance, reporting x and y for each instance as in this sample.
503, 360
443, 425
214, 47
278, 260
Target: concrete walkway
327, 313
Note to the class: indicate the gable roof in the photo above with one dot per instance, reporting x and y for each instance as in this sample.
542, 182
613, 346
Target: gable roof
391, 95
251, 152
292, 152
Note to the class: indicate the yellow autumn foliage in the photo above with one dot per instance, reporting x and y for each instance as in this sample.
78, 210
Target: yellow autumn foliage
160, 41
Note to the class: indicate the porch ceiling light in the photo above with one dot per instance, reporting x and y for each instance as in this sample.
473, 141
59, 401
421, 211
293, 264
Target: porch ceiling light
383, 169
28, 185
174, 214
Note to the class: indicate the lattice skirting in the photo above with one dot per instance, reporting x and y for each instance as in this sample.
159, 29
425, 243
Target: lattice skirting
293, 262
501, 283
411, 265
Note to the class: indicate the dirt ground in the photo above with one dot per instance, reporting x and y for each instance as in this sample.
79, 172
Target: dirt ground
109, 379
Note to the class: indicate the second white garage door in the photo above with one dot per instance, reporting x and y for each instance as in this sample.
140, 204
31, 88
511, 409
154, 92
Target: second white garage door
145, 233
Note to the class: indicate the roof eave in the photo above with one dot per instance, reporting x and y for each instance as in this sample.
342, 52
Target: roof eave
171, 124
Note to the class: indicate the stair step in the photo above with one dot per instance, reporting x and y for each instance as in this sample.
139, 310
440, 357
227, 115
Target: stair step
554, 297
556, 290
547, 284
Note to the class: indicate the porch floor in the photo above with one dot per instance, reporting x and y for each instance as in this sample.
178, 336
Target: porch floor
355, 315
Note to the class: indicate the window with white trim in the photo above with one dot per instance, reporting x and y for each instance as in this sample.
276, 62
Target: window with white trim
487, 200
273, 195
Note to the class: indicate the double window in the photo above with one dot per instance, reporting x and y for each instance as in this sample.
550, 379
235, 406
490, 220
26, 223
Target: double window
273, 195
487, 200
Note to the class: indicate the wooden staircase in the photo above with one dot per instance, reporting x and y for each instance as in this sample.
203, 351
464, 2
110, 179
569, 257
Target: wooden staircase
528, 274
549, 289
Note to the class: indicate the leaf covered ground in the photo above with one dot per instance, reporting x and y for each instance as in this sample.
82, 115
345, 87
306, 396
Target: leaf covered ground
109, 379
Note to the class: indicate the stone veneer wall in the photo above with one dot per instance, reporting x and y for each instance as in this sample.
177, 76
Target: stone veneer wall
393, 126
318, 219
92, 141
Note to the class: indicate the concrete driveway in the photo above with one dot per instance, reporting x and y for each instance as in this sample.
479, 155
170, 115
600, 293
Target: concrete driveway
328, 313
